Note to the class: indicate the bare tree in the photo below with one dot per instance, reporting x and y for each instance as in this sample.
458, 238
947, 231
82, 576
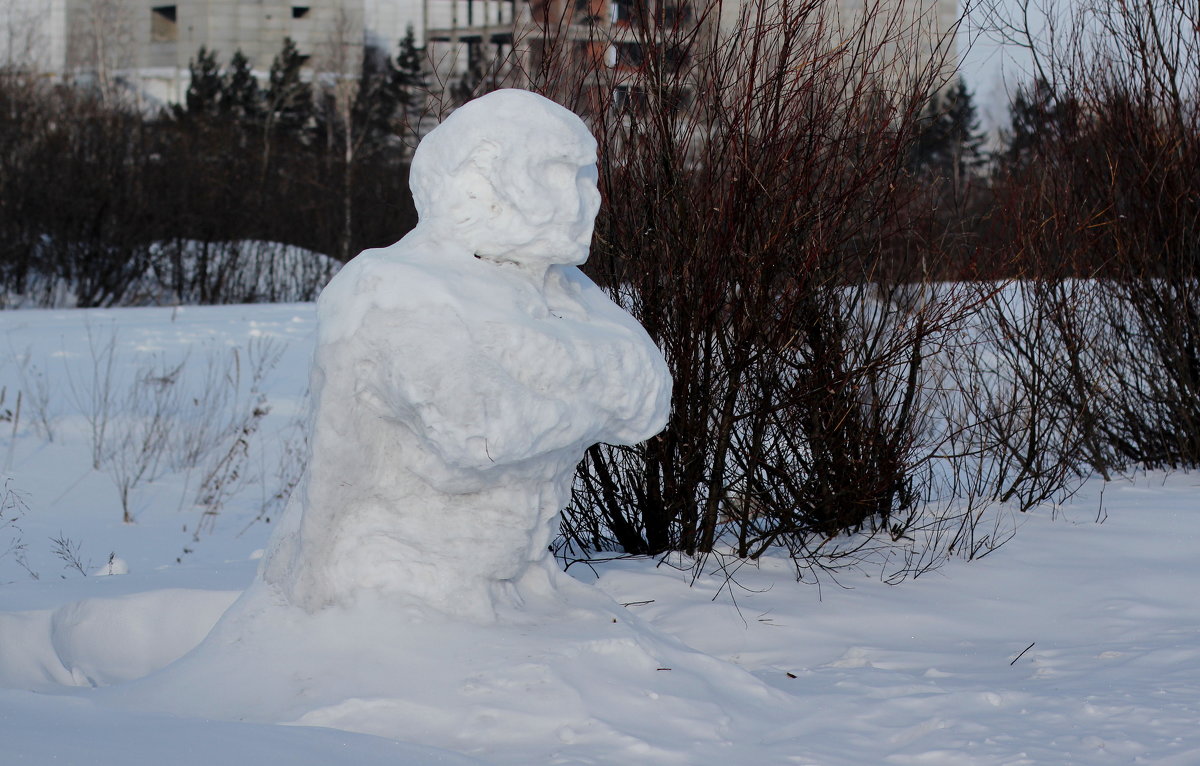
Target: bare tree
103, 34
758, 222
24, 27
1098, 197
342, 64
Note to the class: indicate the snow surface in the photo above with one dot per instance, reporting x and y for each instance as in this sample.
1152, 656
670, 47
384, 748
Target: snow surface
233, 272
405, 609
918, 673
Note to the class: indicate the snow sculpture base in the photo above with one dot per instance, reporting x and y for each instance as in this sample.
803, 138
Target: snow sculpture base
569, 678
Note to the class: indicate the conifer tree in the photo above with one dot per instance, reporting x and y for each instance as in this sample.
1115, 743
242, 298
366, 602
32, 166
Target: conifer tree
962, 121
948, 143
241, 97
469, 86
205, 89
1036, 116
377, 100
288, 109
409, 70
408, 81
289, 100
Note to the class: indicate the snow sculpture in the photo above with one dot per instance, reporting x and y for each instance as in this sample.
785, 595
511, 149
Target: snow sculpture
461, 372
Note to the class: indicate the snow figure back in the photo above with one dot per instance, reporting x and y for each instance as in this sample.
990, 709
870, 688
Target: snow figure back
460, 374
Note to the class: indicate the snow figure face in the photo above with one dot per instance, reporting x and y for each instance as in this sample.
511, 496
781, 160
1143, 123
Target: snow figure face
511, 177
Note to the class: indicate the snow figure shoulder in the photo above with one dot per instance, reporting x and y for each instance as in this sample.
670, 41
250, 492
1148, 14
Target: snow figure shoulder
460, 374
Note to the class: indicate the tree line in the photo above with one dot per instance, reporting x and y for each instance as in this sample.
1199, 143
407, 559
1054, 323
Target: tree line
108, 204
881, 335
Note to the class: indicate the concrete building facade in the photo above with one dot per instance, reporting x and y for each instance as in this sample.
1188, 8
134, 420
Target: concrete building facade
510, 37
145, 45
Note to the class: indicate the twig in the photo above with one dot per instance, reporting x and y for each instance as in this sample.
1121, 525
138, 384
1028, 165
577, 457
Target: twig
1022, 654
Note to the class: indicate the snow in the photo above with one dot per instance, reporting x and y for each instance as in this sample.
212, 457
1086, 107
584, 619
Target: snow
458, 378
405, 608
219, 272
100, 641
925, 672
510, 177
915, 673
50, 729
460, 374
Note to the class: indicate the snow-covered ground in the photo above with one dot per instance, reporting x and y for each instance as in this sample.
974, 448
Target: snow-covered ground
1077, 642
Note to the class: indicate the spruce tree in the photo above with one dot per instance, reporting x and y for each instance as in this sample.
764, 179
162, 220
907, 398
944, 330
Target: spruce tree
203, 98
377, 101
1037, 116
948, 142
289, 99
241, 98
408, 80
409, 71
962, 128
467, 86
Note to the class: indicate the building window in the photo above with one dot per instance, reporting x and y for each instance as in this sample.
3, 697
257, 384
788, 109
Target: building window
629, 55
675, 56
164, 26
629, 98
621, 12
300, 11
586, 12
674, 13
588, 52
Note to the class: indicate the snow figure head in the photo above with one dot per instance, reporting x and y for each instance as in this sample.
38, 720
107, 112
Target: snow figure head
512, 177
454, 394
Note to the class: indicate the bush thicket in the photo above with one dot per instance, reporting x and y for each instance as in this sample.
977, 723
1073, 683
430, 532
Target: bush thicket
115, 205
877, 333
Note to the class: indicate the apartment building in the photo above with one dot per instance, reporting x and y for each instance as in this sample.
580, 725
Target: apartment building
145, 45
507, 39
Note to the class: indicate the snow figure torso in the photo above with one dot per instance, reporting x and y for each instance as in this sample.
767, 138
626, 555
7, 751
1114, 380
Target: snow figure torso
460, 374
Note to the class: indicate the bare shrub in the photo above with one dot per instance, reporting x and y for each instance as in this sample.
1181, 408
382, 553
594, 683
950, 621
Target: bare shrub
67, 551
1017, 442
1099, 201
759, 221
12, 416
40, 396
95, 398
204, 416
228, 474
13, 507
141, 430
108, 202
279, 483
168, 419
231, 384
229, 470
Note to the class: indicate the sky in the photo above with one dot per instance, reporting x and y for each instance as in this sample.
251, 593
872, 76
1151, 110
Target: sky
990, 68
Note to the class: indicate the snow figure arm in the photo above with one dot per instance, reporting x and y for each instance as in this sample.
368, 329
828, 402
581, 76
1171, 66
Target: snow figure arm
479, 382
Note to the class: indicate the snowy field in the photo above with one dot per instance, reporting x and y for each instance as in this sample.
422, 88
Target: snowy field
1076, 643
